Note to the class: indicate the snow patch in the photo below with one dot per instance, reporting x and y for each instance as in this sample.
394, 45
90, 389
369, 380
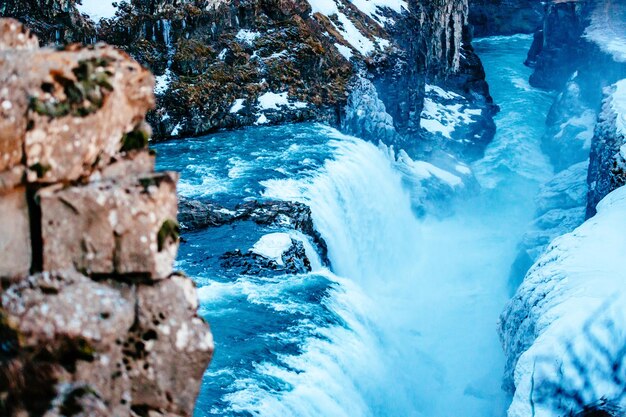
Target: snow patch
272, 246
576, 278
374, 8
445, 118
425, 170
247, 36
162, 82
273, 101
237, 106
344, 50
435, 89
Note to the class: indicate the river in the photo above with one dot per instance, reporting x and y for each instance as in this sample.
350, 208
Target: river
404, 322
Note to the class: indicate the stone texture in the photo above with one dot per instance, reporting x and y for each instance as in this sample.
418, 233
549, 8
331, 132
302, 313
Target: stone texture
15, 247
61, 335
216, 59
111, 226
100, 327
607, 169
59, 146
167, 328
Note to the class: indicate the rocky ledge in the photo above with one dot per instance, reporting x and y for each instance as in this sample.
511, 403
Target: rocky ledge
361, 66
286, 228
94, 321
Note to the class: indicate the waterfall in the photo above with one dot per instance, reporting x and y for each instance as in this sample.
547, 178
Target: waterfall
362, 210
405, 322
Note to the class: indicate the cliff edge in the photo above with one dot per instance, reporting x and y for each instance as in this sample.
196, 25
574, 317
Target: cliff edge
94, 321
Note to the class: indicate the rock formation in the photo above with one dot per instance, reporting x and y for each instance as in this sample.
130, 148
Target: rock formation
228, 64
607, 170
94, 321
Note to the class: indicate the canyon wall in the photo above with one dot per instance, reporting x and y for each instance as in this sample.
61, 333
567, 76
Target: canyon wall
563, 330
505, 17
576, 54
229, 64
94, 320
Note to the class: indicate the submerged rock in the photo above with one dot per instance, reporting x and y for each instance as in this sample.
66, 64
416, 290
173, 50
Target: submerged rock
195, 214
274, 254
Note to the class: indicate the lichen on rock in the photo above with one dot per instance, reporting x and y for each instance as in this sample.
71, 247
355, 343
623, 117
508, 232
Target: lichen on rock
93, 320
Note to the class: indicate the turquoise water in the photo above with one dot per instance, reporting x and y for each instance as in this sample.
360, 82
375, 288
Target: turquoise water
403, 324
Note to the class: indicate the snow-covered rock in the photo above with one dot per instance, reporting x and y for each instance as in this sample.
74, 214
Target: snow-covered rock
567, 322
273, 246
608, 28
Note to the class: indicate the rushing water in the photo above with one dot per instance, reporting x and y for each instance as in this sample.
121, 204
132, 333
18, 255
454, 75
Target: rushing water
404, 324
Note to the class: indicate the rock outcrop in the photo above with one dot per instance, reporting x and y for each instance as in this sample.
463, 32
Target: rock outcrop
567, 309
228, 64
563, 331
52, 21
505, 17
196, 215
94, 321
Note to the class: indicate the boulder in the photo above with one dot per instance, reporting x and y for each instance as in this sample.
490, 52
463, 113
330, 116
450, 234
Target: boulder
116, 226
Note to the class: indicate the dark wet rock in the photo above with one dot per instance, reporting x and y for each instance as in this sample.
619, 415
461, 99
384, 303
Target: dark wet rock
53, 21
505, 17
195, 214
562, 49
292, 261
607, 167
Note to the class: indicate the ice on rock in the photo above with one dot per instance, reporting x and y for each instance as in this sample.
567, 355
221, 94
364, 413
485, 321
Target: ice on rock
237, 105
247, 36
272, 246
580, 274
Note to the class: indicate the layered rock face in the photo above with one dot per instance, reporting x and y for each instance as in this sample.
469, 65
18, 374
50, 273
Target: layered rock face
94, 321
607, 171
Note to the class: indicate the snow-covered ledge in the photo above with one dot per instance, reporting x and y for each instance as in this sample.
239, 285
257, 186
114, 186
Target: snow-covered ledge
567, 322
